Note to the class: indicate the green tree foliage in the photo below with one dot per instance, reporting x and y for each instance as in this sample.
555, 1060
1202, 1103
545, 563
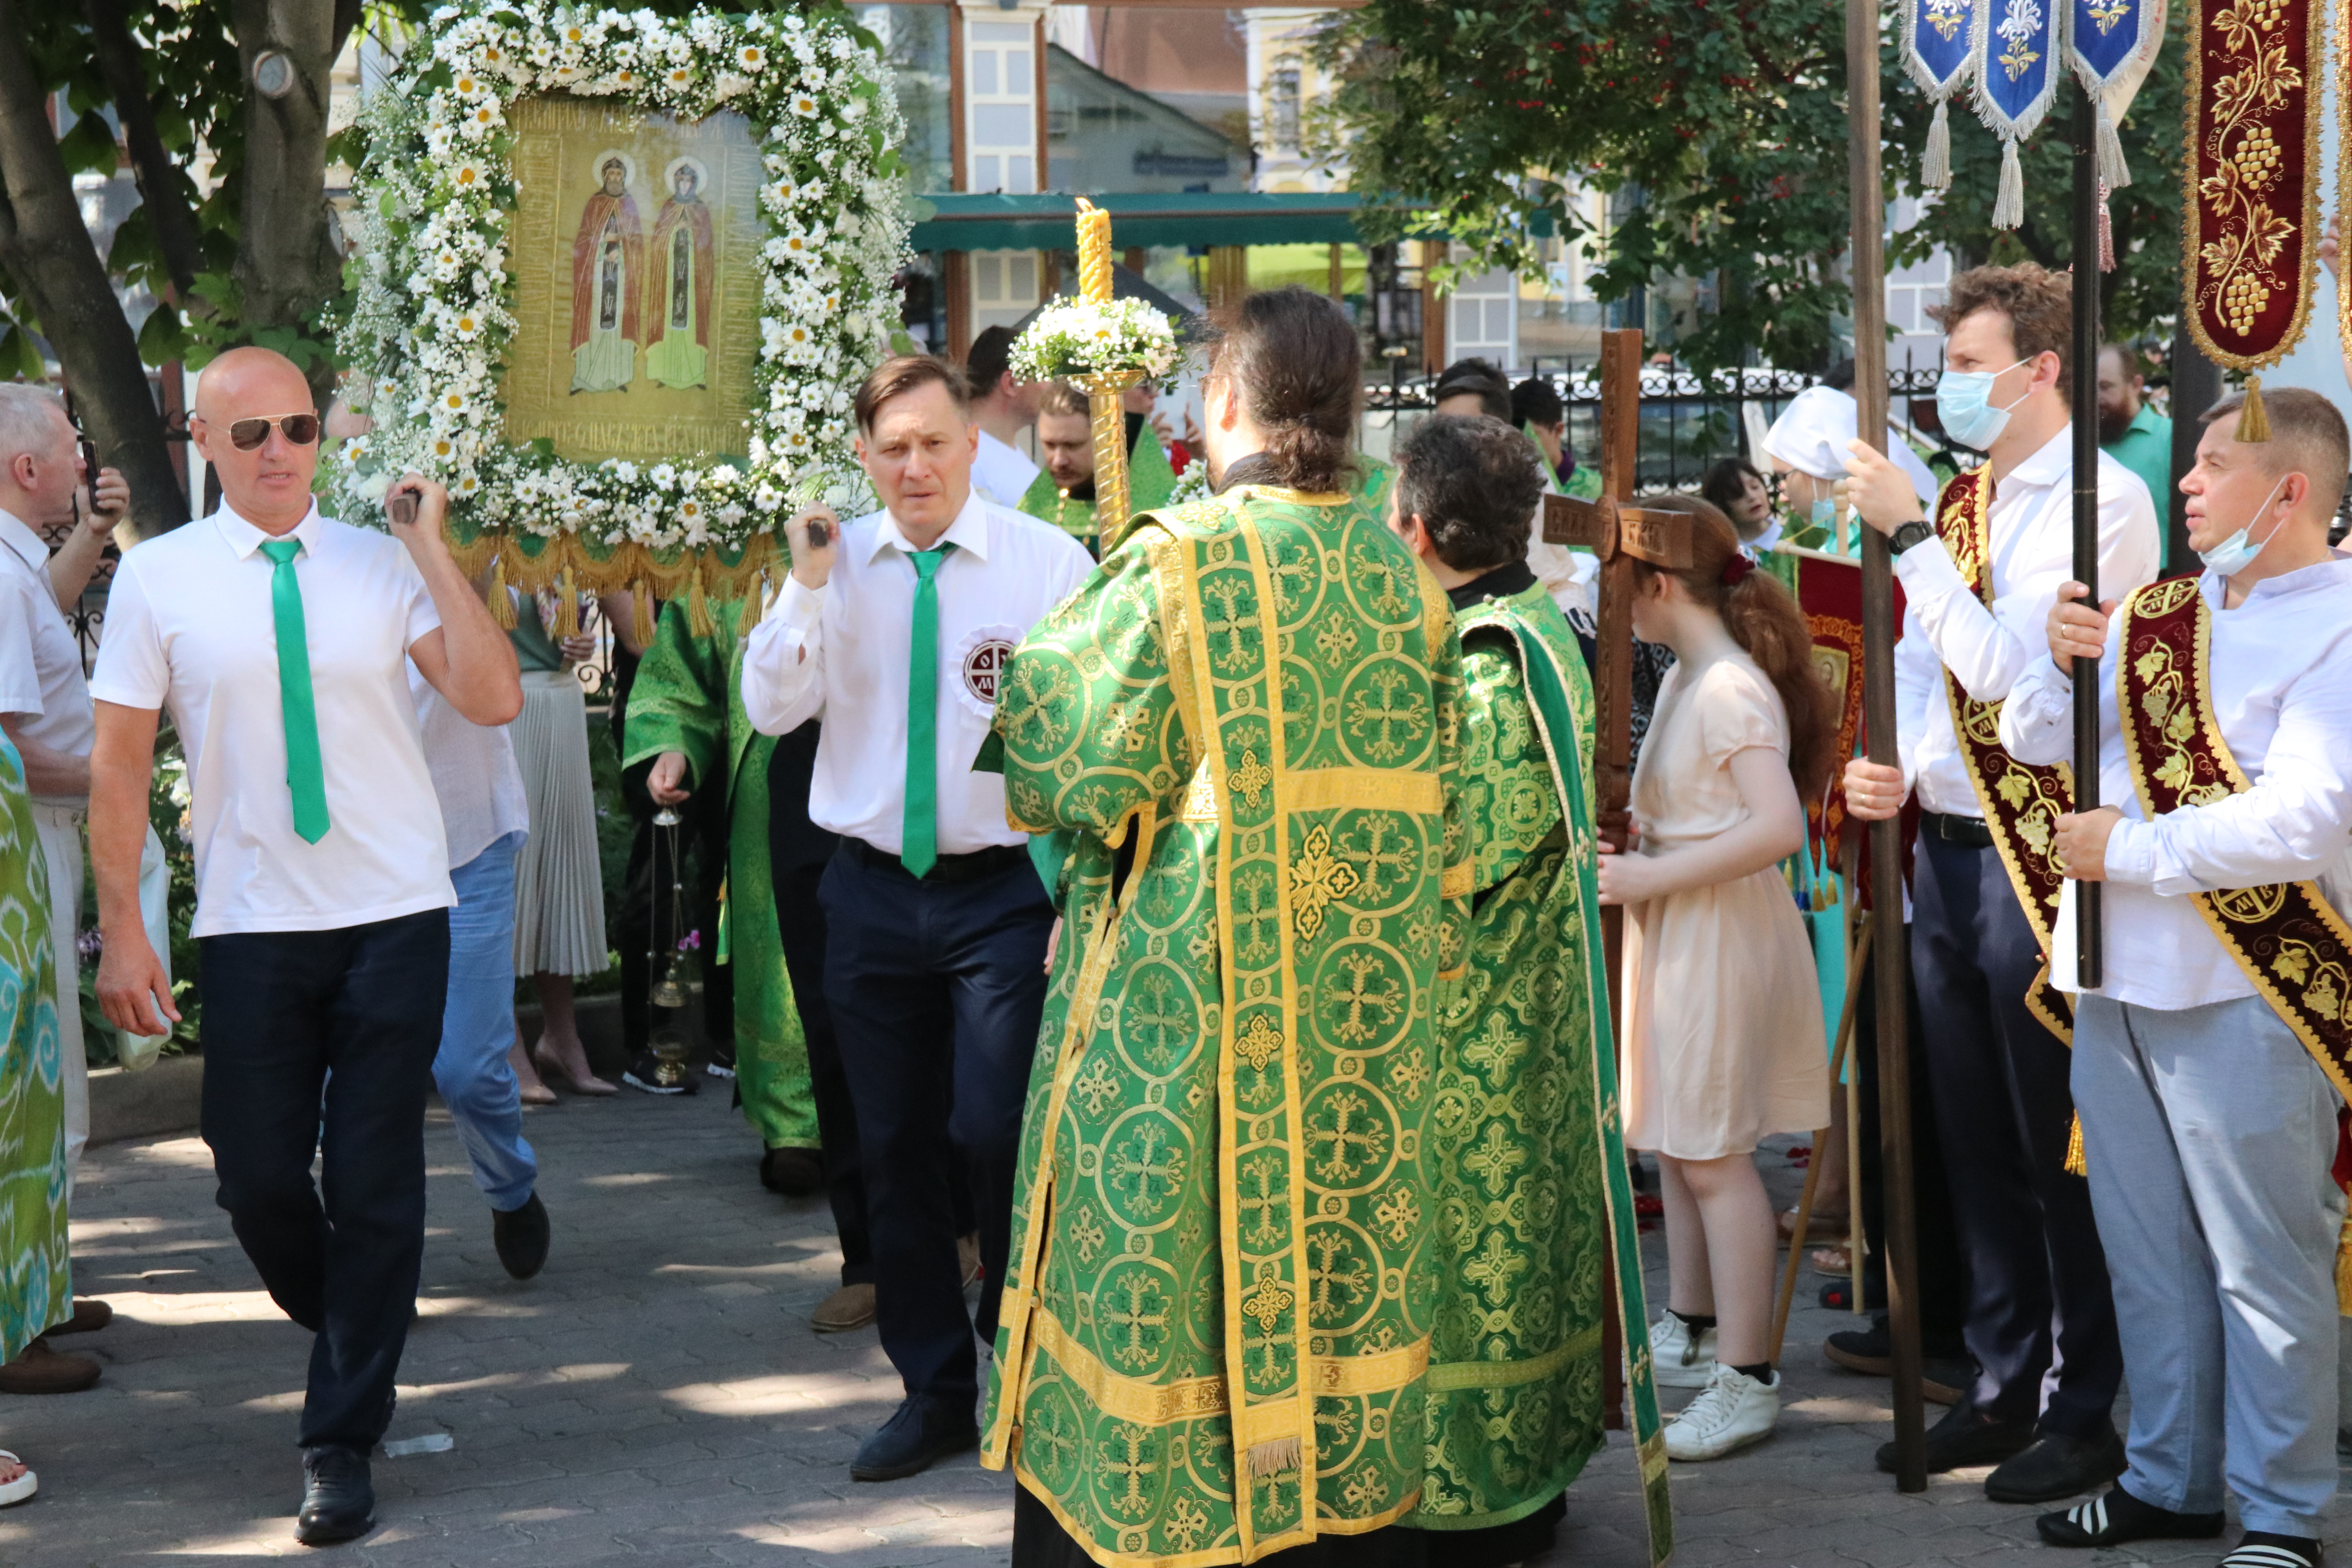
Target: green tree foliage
1719, 129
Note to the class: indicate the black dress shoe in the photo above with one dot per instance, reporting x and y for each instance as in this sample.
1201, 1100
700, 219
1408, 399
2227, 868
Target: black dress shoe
2056, 1465
1965, 1437
2119, 1517
1946, 1373
919, 1435
521, 1237
338, 1500
2261, 1549
795, 1172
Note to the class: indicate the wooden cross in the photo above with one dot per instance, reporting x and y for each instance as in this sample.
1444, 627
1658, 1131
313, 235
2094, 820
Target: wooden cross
1620, 535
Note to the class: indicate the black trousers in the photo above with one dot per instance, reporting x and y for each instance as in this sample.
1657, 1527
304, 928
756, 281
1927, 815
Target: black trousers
798, 850
936, 987
2040, 1311
1943, 1274
321, 1042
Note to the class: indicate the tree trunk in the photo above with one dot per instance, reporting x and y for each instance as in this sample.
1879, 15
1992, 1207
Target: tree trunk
160, 187
290, 260
49, 253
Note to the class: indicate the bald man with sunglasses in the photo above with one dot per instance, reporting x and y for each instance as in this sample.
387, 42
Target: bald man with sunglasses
280, 641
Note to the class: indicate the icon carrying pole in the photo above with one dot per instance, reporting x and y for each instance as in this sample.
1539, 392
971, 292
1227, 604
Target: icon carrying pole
2088, 962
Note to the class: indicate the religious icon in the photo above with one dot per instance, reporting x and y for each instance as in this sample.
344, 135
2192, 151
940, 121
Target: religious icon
607, 273
677, 295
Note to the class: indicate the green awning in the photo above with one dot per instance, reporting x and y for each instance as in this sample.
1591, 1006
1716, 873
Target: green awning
966, 222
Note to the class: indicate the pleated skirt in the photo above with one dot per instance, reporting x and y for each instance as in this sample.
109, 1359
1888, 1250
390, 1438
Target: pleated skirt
559, 880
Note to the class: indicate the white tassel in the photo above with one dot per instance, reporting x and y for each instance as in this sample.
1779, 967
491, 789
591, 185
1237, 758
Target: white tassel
1935, 168
2107, 233
2114, 172
2009, 207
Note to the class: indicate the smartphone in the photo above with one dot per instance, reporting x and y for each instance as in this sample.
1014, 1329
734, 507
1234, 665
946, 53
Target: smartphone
402, 509
89, 474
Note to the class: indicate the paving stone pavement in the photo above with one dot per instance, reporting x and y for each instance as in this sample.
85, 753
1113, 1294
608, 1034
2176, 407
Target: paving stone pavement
657, 1398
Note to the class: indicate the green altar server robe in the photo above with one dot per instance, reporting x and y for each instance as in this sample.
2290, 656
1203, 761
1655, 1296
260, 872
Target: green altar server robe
1216, 1316
689, 697
1149, 482
1523, 1158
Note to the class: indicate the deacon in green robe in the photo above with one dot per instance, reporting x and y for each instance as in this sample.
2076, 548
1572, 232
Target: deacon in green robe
1528, 1173
687, 699
1064, 490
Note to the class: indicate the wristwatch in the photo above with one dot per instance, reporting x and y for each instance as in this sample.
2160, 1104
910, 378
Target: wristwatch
1909, 534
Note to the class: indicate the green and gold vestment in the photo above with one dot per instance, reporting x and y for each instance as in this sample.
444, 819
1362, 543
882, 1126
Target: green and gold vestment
1216, 1317
1524, 1142
1149, 482
689, 697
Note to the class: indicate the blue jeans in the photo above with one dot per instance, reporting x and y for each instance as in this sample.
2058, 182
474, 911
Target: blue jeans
476, 1081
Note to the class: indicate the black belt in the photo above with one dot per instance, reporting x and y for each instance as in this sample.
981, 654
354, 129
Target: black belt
978, 866
1969, 831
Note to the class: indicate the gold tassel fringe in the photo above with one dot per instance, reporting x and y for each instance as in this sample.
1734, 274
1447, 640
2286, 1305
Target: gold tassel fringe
2253, 421
2343, 1267
1273, 1455
641, 608
2077, 1164
502, 609
754, 603
567, 606
698, 607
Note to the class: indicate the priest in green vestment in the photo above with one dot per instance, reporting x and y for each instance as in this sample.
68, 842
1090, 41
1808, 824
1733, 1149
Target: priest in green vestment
1527, 1171
687, 700
1236, 740
1064, 490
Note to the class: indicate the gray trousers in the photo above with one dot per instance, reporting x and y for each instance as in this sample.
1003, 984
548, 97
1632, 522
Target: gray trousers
2210, 1134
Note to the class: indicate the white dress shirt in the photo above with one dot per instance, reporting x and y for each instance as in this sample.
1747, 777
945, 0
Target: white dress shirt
839, 653
475, 775
1946, 626
1000, 473
190, 626
40, 663
2281, 670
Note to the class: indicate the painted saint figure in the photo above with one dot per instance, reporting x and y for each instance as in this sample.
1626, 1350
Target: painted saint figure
677, 294
607, 260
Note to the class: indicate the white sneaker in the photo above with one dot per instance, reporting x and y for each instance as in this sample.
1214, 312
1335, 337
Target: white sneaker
1734, 1410
1677, 1360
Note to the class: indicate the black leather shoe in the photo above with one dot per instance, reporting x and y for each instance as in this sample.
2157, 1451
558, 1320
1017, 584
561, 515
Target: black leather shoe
521, 1237
1946, 1372
919, 1435
795, 1172
1966, 1437
2056, 1464
2118, 1517
338, 1500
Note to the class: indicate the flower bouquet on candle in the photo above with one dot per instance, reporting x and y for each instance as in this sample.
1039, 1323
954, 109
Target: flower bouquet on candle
1081, 340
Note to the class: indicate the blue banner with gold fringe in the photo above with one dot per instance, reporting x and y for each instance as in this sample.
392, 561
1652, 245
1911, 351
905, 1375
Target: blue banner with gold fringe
2017, 43
1938, 51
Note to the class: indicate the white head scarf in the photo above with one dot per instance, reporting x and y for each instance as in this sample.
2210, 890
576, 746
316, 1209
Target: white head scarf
1813, 432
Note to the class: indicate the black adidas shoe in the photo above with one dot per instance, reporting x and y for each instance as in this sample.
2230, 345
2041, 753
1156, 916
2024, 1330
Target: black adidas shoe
2117, 1516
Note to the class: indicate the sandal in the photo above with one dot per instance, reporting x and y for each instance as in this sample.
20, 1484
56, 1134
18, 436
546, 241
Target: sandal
1834, 1260
1816, 1228
20, 1489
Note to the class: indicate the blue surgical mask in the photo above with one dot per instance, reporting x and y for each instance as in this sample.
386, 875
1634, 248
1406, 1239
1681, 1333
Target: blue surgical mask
2237, 552
1964, 403
1825, 515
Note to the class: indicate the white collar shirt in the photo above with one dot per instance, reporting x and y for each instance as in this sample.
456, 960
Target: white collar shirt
1000, 473
190, 626
41, 682
2281, 684
1947, 627
840, 653
475, 775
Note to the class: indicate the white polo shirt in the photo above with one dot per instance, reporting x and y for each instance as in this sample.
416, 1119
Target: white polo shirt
1000, 473
40, 663
190, 627
840, 653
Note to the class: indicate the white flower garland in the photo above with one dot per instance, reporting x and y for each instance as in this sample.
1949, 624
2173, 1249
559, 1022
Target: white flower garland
1072, 339
433, 312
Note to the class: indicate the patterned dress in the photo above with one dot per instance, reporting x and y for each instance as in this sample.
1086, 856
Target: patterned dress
1523, 1158
36, 1280
1217, 1318
689, 697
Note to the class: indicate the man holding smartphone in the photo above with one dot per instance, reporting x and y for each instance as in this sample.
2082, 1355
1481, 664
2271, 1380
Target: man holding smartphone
280, 640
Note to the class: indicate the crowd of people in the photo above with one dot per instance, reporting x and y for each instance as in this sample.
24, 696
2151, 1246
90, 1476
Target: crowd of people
1189, 927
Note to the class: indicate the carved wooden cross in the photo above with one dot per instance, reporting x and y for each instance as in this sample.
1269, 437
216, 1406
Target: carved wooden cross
1620, 535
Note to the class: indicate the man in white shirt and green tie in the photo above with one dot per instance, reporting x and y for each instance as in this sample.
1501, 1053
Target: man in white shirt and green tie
893, 631
279, 639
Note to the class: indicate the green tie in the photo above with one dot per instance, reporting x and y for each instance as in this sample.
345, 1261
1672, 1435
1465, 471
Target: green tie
919, 842
305, 775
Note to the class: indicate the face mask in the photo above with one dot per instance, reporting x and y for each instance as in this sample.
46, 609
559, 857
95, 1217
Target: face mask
1825, 515
2235, 553
1963, 402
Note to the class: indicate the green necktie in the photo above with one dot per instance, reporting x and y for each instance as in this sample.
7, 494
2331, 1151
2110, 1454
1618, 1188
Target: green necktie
305, 775
919, 841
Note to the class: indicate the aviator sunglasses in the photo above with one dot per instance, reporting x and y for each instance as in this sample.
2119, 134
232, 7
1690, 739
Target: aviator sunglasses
245, 435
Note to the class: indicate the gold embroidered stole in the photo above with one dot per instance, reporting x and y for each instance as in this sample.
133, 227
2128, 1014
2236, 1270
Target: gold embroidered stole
2021, 804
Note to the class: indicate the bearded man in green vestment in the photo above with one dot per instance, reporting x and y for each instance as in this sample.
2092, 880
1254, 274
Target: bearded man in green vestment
1239, 736
1064, 490
1523, 1156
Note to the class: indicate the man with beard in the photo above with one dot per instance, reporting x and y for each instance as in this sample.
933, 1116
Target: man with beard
2131, 431
1064, 491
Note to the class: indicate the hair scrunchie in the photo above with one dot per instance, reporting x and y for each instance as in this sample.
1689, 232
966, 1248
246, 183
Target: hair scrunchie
1736, 570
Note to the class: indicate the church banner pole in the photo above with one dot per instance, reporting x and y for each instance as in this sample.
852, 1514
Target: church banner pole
1878, 701
2087, 947
1105, 391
